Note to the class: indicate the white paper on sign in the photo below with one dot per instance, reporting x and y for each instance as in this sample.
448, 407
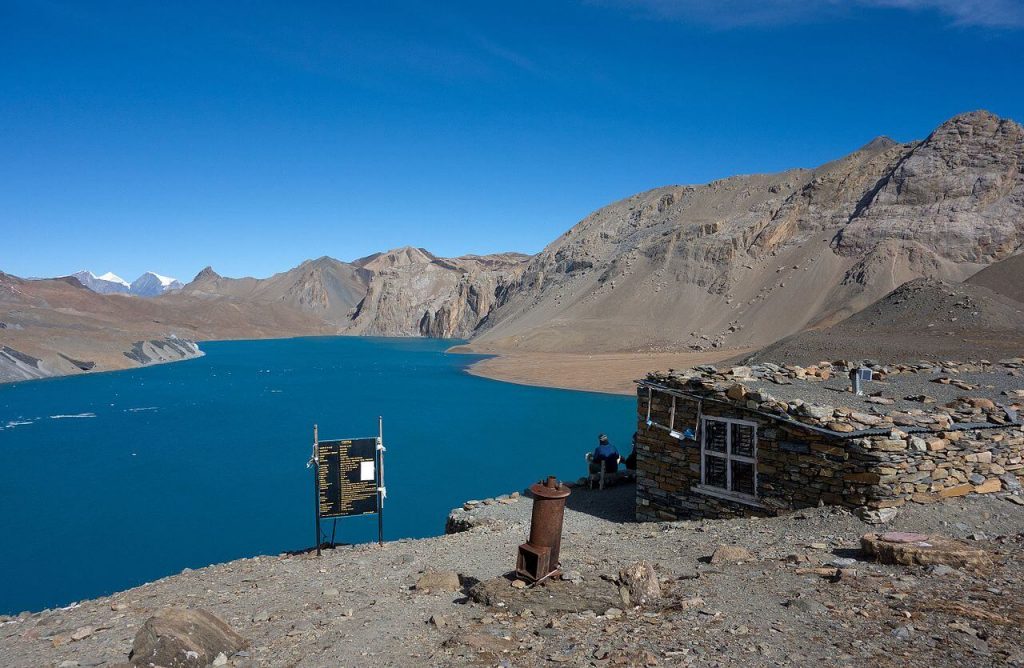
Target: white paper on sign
366, 471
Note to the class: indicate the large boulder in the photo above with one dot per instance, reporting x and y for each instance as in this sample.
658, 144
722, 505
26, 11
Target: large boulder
182, 638
915, 549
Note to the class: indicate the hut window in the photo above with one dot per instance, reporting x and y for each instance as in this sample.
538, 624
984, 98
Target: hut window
728, 456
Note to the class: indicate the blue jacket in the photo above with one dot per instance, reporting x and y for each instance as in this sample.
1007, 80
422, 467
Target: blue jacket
605, 452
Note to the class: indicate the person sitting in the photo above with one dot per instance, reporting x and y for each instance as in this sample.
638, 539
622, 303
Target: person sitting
605, 454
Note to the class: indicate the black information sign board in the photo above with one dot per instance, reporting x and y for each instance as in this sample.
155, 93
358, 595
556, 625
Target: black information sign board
347, 477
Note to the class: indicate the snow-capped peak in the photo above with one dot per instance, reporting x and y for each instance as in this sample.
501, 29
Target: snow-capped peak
112, 277
152, 284
106, 284
164, 280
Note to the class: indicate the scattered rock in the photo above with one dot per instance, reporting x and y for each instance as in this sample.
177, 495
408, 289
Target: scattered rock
808, 605
877, 515
82, 632
942, 569
731, 554
613, 613
903, 632
572, 576
641, 582
438, 581
183, 638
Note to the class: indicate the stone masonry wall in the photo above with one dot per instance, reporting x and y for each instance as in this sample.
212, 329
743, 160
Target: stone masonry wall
799, 467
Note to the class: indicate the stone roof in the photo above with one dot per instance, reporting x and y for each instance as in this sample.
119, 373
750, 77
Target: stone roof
926, 396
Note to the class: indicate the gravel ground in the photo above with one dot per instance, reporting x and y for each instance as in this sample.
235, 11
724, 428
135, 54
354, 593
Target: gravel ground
357, 606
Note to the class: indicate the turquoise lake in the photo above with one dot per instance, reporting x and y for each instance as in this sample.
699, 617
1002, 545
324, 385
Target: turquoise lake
111, 480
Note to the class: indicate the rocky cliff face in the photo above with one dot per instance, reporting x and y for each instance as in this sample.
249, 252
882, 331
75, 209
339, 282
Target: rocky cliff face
413, 293
748, 260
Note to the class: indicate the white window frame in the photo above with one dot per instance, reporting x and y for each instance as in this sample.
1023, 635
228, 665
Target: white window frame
729, 457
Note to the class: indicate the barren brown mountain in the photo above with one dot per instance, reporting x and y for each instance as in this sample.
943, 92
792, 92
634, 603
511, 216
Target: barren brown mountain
731, 265
923, 319
57, 327
750, 259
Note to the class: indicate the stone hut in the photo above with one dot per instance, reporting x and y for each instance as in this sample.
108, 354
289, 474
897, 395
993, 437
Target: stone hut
767, 439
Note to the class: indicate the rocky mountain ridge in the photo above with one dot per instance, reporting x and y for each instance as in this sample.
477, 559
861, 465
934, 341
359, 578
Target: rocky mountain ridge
737, 263
149, 284
750, 259
402, 292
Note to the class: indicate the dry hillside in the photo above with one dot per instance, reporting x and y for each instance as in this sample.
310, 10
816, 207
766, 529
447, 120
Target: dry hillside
922, 319
1006, 278
751, 259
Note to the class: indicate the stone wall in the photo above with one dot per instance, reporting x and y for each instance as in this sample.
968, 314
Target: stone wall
894, 468
798, 466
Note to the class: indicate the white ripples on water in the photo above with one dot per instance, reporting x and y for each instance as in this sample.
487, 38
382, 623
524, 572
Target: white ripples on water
76, 415
16, 423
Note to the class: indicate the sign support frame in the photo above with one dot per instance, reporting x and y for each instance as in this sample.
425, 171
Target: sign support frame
379, 488
316, 484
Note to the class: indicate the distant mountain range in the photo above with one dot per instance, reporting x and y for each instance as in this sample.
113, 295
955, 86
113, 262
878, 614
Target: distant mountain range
734, 264
147, 285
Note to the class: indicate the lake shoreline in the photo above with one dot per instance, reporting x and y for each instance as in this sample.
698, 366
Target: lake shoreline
605, 373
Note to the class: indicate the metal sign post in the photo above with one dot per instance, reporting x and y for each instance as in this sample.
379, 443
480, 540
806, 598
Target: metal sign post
316, 486
382, 491
349, 479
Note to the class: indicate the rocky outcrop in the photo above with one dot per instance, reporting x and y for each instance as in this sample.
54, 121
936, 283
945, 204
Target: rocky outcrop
15, 366
413, 293
169, 349
959, 193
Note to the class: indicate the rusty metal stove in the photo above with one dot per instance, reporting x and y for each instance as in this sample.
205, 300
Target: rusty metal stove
538, 557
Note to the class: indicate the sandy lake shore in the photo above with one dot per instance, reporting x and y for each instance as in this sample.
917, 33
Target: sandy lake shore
600, 372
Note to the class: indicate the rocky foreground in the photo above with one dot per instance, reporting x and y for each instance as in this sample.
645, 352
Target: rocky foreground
794, 590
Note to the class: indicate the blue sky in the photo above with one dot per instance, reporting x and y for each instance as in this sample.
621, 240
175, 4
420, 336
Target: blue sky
163, 136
